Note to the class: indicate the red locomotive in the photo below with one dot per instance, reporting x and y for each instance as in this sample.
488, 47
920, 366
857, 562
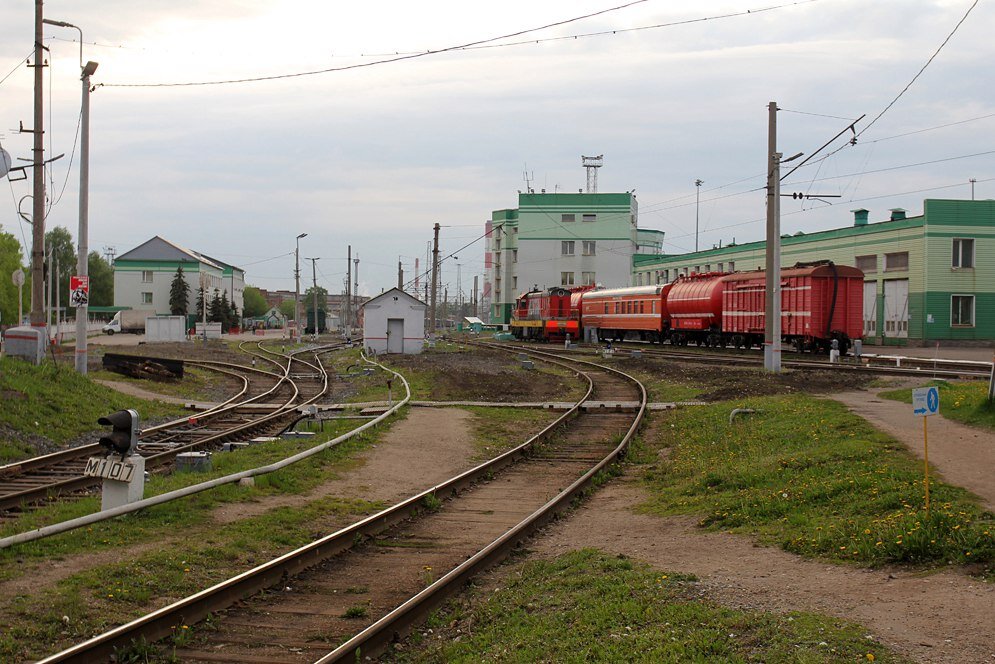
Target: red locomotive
820, 302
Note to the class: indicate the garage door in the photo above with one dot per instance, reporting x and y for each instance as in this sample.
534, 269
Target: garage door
870, 308
896, 308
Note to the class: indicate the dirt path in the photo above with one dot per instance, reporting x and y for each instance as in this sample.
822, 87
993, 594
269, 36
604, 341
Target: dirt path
135, 391
963, 455
942, 617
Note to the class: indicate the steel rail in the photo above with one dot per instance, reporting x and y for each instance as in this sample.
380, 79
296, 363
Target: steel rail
189, 610
375, 638
89, 519
81, 482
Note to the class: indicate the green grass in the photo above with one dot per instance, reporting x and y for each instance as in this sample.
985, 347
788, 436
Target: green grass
964, 402
163, 521
57, 403
588, 606
498, 429
808, 476
93, 600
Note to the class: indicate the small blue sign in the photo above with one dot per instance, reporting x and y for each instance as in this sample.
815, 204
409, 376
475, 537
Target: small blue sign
925, 401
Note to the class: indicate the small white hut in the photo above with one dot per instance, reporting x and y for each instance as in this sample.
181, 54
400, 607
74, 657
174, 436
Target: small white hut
394, 322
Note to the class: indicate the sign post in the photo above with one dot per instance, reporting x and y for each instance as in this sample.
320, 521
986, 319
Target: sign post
925, 402
991, 384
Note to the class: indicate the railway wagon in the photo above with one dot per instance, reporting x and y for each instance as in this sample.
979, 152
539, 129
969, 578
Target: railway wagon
695, 306
616, 312
820, 302
544, 315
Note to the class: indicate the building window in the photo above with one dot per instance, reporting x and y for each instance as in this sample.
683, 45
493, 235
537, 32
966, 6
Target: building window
721, 267
566, 278
146, 298
666, 276
146, 276
497, 244
962, 310
896, 261
514, 231
639, 278
587, 278
514, 255
697, 268
684, 271
514, 283
589, 217
867, 264
589, 247
567, 248
732, 266
963, 253
567, 217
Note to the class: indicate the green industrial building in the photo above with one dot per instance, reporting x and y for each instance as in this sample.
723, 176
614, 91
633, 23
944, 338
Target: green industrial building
928, 278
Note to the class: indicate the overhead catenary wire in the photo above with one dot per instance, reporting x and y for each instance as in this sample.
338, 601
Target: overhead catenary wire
398, 56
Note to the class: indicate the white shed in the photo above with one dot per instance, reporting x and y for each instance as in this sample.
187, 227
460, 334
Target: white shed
394, 322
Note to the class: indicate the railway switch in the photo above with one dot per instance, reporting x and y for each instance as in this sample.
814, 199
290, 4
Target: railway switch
123, 437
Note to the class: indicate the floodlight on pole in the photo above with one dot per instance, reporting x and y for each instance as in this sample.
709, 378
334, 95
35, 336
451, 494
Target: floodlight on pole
697, 200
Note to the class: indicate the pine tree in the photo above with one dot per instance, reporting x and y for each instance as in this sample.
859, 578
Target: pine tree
224, 312
235, 320
214, 308
179, 294
200, 304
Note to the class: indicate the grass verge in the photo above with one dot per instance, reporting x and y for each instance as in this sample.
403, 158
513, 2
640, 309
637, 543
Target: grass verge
964, 402
197, 384
806, 475
59, 404
496, 430
590, 606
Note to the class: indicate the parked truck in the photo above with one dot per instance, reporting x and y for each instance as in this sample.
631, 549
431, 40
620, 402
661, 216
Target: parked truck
128, 320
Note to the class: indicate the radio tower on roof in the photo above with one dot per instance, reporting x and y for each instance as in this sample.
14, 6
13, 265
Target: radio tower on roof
592, 164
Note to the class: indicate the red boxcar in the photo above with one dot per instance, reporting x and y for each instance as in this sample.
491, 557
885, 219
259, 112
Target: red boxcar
819, 302
615, 312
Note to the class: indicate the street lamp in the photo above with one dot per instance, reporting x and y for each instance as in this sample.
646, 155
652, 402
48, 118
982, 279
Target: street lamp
297, 288
697, 200
82, 268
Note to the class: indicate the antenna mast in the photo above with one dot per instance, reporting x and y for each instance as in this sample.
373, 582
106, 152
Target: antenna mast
592, 164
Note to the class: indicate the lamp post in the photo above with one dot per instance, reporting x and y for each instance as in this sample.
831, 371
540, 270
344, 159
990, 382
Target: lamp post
697, 200
82, 267
297, 286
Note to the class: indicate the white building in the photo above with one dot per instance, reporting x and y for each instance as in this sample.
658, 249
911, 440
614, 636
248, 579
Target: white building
143, 276
394, 322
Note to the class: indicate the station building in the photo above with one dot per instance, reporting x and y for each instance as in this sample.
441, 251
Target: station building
562, 239
144, 275
928, 278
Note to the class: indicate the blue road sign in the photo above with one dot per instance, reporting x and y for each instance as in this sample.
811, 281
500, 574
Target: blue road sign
925, 401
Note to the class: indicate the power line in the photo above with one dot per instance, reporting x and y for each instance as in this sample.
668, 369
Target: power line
895, 168
397, 56
919, 73
377, 62
16, 67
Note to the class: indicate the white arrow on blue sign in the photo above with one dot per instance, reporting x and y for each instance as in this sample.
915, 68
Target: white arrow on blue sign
925, 401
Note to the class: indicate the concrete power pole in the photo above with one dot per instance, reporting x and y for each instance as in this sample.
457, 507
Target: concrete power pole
38, 314
476, 307
82, 266
355, 282
347, 319
435, 275
314, 280
400, 275
772, 312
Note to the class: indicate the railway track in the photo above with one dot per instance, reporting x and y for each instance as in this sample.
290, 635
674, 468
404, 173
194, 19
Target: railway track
293, 383
907, 366
406, 559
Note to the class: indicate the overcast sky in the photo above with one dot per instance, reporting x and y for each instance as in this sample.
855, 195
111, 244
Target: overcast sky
373, 156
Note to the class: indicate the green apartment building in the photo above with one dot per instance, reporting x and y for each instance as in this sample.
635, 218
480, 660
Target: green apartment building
928, 278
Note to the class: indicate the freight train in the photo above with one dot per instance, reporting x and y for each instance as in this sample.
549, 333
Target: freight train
820, 302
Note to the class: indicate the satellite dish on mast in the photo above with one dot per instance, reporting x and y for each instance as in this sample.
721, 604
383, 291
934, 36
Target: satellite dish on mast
4, 162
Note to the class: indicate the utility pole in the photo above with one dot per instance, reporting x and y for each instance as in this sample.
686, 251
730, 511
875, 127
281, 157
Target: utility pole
400, 275
435, 275
355, 282
38, 314
203, 301
82, 255
772, 312
697, 200
297, 286
476, 307
314, 280
972, 181
348, 289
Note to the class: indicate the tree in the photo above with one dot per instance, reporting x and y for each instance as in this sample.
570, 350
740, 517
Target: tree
101, 280
224, 312
287, 309
10, 260
200, 304
214, 312
59, 242
236, 321
307, 303
253, 302
179, 294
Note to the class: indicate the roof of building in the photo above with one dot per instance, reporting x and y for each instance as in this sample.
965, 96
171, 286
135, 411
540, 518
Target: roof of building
161, 249
394, 291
